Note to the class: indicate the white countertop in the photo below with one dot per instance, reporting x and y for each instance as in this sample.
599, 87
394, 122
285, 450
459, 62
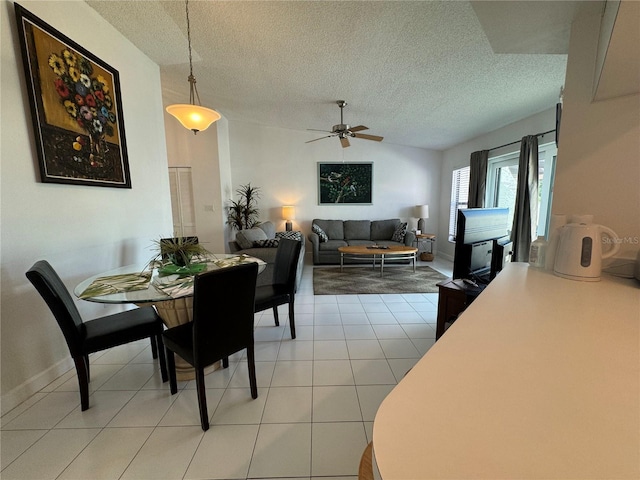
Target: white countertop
537, 379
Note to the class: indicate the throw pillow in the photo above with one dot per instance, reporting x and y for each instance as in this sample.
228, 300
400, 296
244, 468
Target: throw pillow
245, 238
318, 231
398, 235
268, 228
290, 235
268, 243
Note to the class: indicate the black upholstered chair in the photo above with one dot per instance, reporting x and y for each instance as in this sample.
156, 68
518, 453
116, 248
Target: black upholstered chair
222, 325
95, 335
283, 287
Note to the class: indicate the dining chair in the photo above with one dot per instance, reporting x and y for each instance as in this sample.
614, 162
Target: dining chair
222, 325
282, 289
84, 338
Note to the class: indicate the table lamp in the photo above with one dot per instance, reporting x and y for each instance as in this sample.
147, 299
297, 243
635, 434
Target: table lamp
422, 212
288, 213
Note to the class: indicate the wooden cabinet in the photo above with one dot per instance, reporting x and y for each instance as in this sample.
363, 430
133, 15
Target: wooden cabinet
453, 297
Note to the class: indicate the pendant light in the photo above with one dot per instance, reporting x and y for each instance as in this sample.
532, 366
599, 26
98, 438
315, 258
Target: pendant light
193, 116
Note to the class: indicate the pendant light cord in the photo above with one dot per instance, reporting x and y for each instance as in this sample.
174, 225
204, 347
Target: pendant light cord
193, 90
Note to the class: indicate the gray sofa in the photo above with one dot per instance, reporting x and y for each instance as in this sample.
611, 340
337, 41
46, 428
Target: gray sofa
259, 242
353, 232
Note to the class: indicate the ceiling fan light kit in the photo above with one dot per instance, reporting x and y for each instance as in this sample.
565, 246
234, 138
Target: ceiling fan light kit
343, 131
193, 116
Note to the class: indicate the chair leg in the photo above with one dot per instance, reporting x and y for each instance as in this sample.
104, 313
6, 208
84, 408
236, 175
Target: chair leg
87, 364
251, 363
292, 320
202, 399
225, 362
275, 315
83, 381
161, 354
171, 363
154, 347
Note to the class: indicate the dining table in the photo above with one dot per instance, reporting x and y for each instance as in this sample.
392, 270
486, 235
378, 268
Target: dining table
165, 286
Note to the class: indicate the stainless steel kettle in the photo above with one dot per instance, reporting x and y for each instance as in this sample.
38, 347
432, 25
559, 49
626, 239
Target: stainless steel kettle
580, 251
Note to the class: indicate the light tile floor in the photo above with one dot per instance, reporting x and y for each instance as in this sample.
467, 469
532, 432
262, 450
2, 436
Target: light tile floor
318, 396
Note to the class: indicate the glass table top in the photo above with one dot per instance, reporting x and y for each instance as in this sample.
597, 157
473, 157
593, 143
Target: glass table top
176, 285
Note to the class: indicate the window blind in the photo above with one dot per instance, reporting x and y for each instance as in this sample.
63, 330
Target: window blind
459, 197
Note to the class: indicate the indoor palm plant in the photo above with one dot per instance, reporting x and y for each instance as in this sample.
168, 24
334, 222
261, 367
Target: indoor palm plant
243, 213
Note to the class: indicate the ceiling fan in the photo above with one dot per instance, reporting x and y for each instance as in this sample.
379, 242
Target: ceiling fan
343, 131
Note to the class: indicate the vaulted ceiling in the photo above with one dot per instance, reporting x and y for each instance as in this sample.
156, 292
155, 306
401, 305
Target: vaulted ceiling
427, 74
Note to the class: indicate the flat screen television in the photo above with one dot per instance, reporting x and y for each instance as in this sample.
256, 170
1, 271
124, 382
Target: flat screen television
477, 228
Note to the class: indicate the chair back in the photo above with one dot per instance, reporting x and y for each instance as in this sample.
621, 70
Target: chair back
223, 305
51, 288
286, 263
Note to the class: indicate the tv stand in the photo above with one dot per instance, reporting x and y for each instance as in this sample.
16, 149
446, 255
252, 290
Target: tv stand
453, 297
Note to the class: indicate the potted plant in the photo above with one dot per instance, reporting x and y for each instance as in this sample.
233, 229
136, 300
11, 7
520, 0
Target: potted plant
178, 251
243, 213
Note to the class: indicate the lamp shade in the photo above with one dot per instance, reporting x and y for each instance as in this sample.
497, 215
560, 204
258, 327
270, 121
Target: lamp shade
288, 212
193, 117
422, 211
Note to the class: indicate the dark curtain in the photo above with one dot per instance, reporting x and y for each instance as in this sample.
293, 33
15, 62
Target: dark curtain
478, 178
526, 207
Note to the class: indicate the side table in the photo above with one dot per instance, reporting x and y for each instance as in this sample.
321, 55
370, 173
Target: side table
426, 256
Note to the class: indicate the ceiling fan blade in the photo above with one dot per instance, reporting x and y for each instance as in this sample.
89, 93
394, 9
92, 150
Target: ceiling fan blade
359, 128
345, 142
364, 136
316, 130
316, 139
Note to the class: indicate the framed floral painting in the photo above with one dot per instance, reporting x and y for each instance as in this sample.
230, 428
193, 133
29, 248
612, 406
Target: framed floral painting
345, 183
76, 108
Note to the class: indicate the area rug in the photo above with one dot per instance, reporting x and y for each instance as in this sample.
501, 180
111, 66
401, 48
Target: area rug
354, 280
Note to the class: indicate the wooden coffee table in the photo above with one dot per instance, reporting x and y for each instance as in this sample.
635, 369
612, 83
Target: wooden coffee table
393, 251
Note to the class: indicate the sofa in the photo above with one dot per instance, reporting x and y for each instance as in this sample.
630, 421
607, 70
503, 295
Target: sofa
340, 233
262, 242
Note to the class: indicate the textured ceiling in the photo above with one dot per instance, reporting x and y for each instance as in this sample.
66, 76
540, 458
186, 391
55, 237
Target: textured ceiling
426, 73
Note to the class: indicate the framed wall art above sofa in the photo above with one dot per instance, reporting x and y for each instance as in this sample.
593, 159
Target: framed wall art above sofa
345, 183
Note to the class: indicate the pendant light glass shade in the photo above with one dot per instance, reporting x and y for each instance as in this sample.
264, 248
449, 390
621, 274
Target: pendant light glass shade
192, 115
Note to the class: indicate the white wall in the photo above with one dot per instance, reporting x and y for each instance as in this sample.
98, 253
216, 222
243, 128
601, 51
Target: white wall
598, 169
458, 157
80, 230
285, 168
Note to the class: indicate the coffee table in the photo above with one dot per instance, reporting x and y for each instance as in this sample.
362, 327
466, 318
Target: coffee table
378, 251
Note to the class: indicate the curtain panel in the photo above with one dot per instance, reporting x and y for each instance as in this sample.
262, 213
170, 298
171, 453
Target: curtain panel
478, 178
525, 217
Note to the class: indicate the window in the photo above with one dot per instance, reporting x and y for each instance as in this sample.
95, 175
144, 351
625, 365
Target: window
459, 197
502, 181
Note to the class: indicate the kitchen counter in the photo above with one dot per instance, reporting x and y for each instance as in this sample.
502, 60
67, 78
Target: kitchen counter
538, 378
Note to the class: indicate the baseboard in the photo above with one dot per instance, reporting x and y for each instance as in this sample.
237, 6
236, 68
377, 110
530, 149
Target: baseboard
22, 392
446, 256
